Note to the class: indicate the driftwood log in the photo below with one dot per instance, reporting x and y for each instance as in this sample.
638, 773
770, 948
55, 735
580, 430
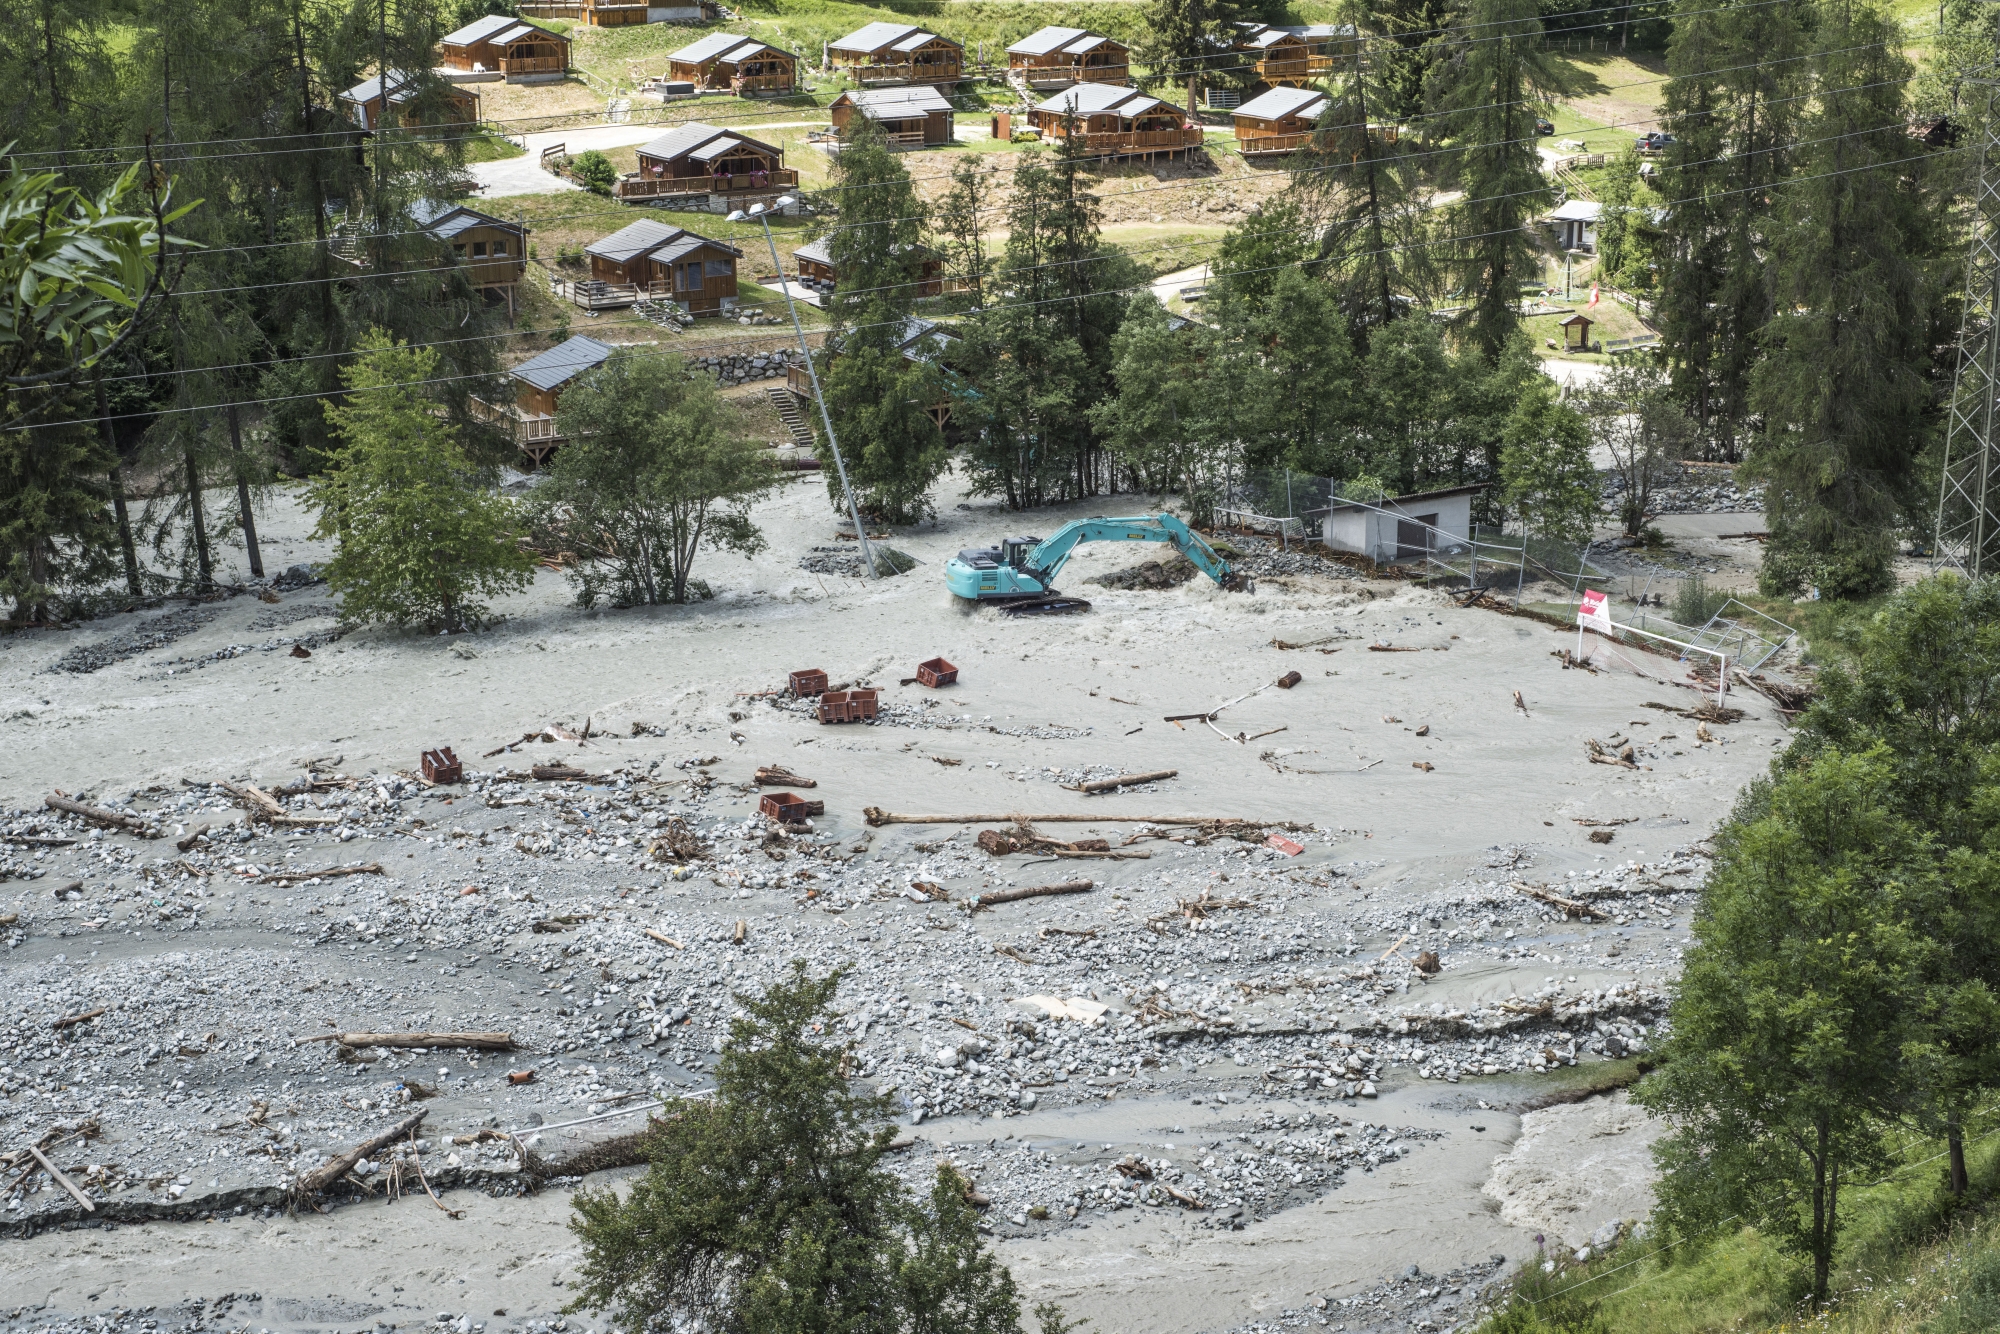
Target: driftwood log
300, 877
1569, 907
1122, 780
317, 1180
480, 1041
98, 815
771, 775
979, 901
56, 1175
876, 816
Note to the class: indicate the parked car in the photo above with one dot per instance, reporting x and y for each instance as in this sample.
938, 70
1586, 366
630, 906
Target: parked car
1655, 141
1544, 126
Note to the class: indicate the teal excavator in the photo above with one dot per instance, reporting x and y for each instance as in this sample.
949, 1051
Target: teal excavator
1019, 575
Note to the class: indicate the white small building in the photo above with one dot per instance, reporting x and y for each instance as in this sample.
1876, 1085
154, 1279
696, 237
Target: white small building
1403, 527
1575, 224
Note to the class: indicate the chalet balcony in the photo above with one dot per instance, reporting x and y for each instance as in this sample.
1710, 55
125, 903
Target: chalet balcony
1273, 145
1104, 74
534, 434
1294, 69
886, 76
752, 84
533, 65
1120, 143
654, 187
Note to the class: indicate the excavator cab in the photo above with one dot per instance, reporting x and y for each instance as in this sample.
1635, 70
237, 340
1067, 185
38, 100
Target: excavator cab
1019, 574
1014, 550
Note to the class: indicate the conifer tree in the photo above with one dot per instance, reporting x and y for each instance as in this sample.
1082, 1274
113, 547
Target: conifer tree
1416, 33
1493, 82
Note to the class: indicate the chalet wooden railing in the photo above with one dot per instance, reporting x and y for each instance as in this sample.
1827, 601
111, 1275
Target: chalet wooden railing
762, 83
1103, 73
798, 380
1130, 141
1289, 67
521, 427
911, 73
906, 138
532, 10
1273, 143
652, 187
533, 65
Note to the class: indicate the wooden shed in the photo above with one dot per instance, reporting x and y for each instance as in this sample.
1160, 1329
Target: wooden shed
725, 62
504, 45
412, 100
1053, 58
691, 159
910, 117
815, 265
1576, 332
1279, 121
1115, 121
887, 54
538, 383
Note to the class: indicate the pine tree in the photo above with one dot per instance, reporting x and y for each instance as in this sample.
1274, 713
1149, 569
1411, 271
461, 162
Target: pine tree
1289, 388
1546, 474
879, 399
421, 535
1416, 30
1844, 389
1493, 83
959, 223
1359, 183
1188, 44
1160, 423
1732, 102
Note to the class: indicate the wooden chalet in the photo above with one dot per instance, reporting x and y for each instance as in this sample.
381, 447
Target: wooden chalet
494, 251
503, 45
661, 262
702, 159
1115, 122
538, 383
725, 63
621, 13
815, 265
1055, 58
883, 55
411, 100
919, 340
1278, 122
909, 117
1277, 55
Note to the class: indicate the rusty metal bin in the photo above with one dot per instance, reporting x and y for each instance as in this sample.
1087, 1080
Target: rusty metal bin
441, 766
833, 706
936, 672
789, 806
860, 705
808, 683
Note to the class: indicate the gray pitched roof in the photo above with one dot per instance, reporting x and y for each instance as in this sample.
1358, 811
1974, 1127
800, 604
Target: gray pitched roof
480, 30
687, 139
446, 220
708, 48
1282, 102
875, 36
633, 240
1100, 99
815, 251
1045, 40
563, 363
897, 103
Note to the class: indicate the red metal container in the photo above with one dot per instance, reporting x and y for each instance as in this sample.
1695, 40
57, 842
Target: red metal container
786, 806
860, 705
936, 672
441, 766
808, 683
833, 706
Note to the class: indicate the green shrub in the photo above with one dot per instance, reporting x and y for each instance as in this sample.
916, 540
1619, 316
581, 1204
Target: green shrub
1695, 602
593, 171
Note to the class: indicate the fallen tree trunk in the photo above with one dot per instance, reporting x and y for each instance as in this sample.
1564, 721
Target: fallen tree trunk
875, 815
1122, 780
1570, 907
317, 1180
287, 878
979, 901
98, 815
770, 775
481, 1041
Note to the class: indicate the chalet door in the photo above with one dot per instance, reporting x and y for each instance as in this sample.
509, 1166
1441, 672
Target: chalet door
1415, 537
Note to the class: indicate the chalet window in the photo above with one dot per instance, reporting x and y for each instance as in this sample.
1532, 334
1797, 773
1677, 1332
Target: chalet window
459, 250
719, 268
499, 250
691, 276
479, 250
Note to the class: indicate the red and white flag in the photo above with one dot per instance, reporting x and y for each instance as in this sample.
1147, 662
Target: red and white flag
1593, 298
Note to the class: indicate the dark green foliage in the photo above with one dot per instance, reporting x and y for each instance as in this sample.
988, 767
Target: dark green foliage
1160, 424
55, 532
1733, 104
1274, 238
1545, 470
769, 1208
1494, 80
1285, 386
880, 400
1188, 41
1417, 30
1844, 388
594, 171
1787, 1032
1036, 364
650, 475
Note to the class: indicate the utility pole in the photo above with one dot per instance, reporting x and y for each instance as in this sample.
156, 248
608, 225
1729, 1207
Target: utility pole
1968, 531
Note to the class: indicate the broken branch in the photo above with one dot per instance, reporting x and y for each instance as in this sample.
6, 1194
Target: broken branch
1122, 780
481, 1041
317, 1180
978, 901
1569, 907
98, 815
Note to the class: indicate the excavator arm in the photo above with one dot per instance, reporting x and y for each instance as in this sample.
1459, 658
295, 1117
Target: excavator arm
1047, 558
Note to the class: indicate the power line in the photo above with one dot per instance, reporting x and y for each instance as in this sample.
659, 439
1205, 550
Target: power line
662, 348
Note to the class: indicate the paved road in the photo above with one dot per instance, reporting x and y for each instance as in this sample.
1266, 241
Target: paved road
524, 175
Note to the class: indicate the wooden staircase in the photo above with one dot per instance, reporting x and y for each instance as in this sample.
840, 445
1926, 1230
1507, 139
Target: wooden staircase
788, 412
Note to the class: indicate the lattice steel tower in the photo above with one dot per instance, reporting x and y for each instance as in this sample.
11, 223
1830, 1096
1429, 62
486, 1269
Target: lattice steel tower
1968, 528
